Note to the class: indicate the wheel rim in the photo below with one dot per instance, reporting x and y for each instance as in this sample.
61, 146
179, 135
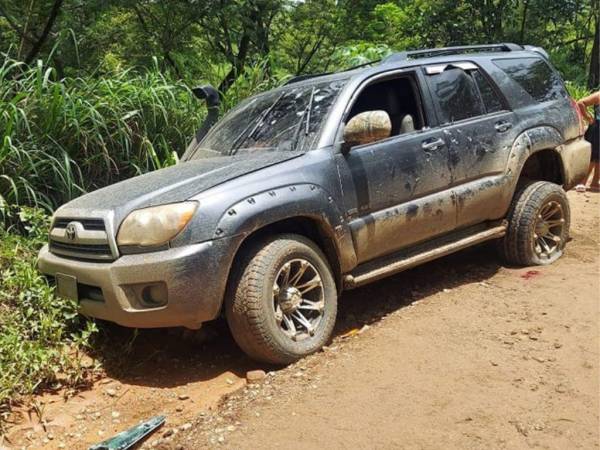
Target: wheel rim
547, 237
298, 299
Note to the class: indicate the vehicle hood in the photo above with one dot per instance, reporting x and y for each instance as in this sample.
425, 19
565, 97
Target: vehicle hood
174, 184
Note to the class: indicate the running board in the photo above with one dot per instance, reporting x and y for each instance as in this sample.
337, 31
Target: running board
383, 267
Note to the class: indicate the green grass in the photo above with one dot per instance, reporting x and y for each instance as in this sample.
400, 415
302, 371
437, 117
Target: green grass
41, 335
60, 138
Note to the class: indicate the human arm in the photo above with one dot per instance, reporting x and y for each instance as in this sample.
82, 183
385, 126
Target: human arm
585, 102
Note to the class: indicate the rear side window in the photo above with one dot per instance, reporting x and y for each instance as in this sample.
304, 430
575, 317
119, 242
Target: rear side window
456, 95
490, 99
535, 76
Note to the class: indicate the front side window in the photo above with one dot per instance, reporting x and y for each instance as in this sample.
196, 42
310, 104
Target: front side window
535, 76
286, 119
456, 95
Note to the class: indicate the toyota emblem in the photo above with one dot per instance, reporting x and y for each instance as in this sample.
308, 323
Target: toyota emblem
71, 231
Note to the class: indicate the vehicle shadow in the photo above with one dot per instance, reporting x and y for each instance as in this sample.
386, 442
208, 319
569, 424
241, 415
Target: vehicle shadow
174, 357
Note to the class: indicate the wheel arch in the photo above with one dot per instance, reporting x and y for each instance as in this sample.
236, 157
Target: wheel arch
304, 209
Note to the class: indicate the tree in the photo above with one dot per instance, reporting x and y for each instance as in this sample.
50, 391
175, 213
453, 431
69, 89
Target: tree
36, 15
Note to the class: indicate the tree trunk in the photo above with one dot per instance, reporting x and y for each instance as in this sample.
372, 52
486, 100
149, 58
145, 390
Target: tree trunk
37, 46
594, 75
238, 65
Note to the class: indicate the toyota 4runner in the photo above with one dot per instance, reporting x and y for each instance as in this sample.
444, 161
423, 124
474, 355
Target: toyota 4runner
328, 183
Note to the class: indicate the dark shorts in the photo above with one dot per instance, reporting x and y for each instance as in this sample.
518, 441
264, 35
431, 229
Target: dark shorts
592, 135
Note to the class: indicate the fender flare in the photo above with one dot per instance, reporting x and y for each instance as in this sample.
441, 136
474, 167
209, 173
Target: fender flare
303, 200
526, 144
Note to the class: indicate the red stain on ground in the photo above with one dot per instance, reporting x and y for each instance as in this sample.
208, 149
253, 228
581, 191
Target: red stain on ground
530, 274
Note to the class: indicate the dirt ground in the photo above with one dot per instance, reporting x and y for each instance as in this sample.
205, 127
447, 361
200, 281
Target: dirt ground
459, 353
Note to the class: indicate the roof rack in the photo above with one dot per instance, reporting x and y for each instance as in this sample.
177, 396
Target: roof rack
427, 53
299, 78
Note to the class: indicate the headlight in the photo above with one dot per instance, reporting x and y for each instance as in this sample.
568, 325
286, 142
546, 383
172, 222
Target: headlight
156, 225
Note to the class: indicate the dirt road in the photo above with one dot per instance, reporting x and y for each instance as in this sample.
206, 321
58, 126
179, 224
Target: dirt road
459, 353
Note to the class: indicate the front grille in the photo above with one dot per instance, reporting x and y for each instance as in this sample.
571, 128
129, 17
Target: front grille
88, 243
88, 224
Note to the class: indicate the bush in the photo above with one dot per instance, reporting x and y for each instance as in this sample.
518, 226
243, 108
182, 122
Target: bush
63, 137
41, 335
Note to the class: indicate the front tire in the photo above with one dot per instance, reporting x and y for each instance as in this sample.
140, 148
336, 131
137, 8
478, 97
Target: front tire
282, 300
538, 225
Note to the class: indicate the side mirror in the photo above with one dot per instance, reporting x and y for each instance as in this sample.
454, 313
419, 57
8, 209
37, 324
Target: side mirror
367, 127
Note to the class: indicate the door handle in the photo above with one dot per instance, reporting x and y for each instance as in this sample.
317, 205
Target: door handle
501, 127
432, 144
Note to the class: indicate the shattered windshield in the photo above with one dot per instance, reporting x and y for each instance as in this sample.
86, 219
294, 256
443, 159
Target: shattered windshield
282, 120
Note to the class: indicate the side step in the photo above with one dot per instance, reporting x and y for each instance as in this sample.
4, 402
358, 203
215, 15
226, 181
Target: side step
383, 267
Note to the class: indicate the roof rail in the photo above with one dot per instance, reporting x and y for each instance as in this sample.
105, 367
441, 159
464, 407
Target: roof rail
299, 78
426, 53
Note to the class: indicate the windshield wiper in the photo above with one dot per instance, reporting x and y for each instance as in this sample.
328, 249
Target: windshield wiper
305, 113
241, 138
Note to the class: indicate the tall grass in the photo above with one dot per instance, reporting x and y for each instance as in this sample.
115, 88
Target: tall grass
63, 137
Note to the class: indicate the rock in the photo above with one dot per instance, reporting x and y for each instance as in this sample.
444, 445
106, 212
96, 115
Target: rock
168, 432
255, 376
179, 409
50, 436
185, 426
561, 389
221, 439
539, 359
115, 414
521, 428
183, 397
493, 363
111, 392
557, 345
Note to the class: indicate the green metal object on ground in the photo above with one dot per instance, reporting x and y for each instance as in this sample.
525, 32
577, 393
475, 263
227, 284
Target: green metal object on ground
129, 438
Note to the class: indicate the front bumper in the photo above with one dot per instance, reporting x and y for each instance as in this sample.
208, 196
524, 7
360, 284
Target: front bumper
195, 277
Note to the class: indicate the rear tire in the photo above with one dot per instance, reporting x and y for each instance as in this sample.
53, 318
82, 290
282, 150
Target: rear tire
538, 225
282, 300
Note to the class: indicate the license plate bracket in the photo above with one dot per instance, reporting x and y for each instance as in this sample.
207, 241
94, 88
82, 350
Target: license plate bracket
66, 286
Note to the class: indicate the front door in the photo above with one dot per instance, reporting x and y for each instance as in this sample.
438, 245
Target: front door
397, 190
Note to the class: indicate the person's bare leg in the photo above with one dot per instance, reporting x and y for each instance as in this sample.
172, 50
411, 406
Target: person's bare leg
595, 183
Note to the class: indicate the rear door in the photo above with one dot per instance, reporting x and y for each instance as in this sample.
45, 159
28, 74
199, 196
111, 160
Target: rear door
479, 130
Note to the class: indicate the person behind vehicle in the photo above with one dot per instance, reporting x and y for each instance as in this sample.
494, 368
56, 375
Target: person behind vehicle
593, 136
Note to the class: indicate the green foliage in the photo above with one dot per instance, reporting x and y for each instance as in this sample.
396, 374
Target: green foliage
62, 137
41, 335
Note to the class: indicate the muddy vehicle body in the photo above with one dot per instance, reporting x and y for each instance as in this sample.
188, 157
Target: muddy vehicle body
325, 184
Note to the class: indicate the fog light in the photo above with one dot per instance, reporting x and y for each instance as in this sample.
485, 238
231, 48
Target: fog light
155, 295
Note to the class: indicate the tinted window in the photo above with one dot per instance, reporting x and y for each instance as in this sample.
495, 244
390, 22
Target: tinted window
490, 99
535, 76
456, 95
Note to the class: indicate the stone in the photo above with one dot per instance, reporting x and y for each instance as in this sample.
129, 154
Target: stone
255, 376
183, 397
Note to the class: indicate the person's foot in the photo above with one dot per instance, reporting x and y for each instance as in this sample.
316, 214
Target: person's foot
580, 188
